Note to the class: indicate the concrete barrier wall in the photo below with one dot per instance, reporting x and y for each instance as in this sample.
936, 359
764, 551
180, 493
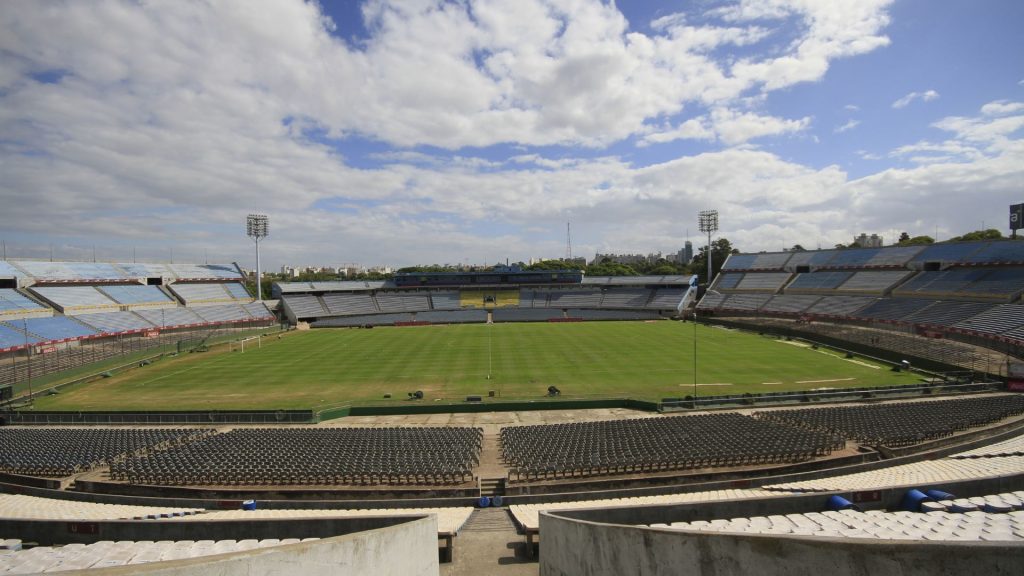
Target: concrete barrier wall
572, 546
405, 549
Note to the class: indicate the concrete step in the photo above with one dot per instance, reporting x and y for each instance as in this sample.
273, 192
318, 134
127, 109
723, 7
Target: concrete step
489, 520
492, 486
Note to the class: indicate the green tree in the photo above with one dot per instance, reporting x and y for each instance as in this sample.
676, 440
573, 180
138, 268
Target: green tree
916, 240
720, 250
610, 269
990, 234
552, 265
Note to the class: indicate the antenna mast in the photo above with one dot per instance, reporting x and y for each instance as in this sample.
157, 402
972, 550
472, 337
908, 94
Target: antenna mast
568, 241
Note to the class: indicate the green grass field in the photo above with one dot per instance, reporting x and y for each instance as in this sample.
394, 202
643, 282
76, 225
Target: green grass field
325, 368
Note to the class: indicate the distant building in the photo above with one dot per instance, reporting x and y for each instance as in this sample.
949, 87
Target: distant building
686, 254
865, 241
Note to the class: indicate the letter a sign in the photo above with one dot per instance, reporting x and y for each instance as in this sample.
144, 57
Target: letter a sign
1016, 216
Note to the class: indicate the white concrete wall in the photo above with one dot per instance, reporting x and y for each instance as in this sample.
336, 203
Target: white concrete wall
570, 547
406, 549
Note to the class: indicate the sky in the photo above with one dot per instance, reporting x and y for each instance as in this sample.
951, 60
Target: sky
402, 132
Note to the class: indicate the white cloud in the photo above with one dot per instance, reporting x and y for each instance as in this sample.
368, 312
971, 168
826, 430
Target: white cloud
1002, 107
851, 108
729, 127
926, 96
850, 125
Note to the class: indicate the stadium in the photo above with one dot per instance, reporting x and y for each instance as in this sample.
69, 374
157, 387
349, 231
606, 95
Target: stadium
852, 410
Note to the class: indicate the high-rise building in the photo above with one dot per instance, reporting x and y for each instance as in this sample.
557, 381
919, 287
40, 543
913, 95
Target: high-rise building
687, 252
865, 241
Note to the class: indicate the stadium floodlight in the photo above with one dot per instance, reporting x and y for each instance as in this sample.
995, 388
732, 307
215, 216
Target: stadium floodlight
708, 222
257, 228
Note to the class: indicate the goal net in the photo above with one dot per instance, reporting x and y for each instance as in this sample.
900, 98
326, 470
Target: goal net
241, 345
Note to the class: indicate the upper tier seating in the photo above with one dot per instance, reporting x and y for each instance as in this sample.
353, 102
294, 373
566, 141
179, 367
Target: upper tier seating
258, 310
237, 291
58, 328
13, 303
112, 322
200, 294
345, 303
818, 281
948, 253
137, 294
70, 271
813, 259
13, 338
873, 281
76, 299
995, 320
7, 270
712, 301
304, 305
999, 252
746, 301
728, 280
853, 257
996, 283
204, 271
763, 261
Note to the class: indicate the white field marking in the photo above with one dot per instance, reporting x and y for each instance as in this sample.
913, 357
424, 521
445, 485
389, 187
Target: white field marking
849, 359
819, 381
795, 343
715, 384
771, 383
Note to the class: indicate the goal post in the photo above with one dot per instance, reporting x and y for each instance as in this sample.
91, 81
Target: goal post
240, 345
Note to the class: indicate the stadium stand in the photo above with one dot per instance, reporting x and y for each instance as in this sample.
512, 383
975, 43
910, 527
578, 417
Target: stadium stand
839, 305
349, 303
113, 322
530, 298
893, 257
1004, 252
11, 337
809, 259
223, 313
739, 262
574, 298
746, 302
14, 304
304, 305
58, 328
666, 298
397, 302
146, 270
171, 317
878, 524
70, 271
996, 320
204, 272
64, 451
137, 295
892, 308
909, 475
728, 280
7, 270
258, 311
237, 291
655, 444
199, 294
770, 281
947, 313
901, 424
445, 301
978, 283
818, 282
625, 297
790, 303
76, 299
872, 281
948, 253
24, 507
312, 456
853, 258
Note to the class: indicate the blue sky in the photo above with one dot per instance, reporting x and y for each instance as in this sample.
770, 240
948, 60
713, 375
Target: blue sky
393, 133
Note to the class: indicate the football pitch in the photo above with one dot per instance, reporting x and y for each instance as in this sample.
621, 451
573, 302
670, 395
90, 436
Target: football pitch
324, 368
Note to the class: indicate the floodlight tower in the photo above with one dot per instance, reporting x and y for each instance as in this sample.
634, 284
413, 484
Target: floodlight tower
256, 227
708, 222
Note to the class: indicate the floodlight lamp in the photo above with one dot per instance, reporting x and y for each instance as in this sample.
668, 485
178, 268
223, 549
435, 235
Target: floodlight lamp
708, 220
257, 226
